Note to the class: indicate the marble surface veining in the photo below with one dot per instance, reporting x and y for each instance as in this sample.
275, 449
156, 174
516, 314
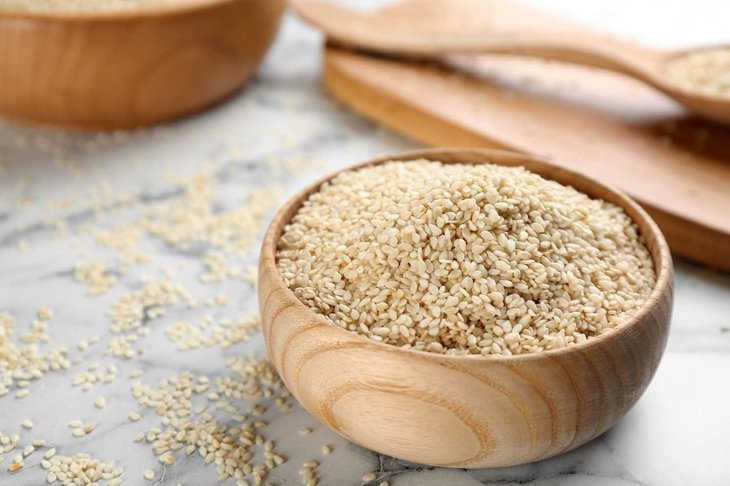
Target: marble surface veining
58, 190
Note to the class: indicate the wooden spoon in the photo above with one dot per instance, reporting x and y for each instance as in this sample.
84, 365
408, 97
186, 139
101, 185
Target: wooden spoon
433, 28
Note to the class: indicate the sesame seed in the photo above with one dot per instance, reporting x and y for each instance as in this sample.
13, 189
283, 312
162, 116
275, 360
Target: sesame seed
100, 402
27, 424
149, 474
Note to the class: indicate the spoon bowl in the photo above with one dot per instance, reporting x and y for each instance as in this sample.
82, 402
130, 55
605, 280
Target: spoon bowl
465, 411
130, 68
436, 28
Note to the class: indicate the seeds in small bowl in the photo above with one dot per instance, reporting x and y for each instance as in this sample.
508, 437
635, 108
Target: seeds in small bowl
464, 259
489, 410
705, 71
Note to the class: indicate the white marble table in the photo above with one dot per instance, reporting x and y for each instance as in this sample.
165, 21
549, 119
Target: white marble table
284, 129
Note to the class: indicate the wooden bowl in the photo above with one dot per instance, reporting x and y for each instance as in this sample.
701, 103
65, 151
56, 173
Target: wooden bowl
130, 68
465, 411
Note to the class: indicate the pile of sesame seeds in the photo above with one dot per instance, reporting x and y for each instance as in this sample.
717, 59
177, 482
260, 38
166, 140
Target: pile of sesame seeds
706, 71
193, 428
21, 360
464, 258
81, 469
95, 276
193, 219
225, 333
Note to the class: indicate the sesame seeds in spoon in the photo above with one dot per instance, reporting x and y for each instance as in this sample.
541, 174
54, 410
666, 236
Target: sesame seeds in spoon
436, 28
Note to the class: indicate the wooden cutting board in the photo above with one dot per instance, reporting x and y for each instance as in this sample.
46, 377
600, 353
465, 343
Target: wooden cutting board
603, 124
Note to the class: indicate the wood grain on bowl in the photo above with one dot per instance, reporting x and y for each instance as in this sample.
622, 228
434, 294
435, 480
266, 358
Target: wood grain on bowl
467, 411
130, 68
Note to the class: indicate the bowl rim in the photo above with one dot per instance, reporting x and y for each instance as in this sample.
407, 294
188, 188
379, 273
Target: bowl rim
661, 256
141, 13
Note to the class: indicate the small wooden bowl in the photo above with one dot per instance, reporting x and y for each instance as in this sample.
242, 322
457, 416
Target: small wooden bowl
465, 411
130, 68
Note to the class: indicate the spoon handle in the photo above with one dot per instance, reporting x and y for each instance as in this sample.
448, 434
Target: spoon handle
429, 28
596, 50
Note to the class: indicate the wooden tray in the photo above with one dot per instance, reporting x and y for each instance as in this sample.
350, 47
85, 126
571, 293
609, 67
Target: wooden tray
603, 124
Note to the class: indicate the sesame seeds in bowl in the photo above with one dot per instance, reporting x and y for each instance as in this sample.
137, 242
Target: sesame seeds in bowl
464, 258
331, 255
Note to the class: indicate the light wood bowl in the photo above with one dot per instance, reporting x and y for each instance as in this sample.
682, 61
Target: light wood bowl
465, 411
131, 68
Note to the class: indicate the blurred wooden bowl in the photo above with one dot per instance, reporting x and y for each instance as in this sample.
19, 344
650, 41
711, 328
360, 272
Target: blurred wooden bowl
130, 68
465, 411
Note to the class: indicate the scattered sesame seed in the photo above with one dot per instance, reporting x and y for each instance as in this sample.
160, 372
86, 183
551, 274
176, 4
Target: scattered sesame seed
27, 424
95, 276
149, 474
100, 402
82, 470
